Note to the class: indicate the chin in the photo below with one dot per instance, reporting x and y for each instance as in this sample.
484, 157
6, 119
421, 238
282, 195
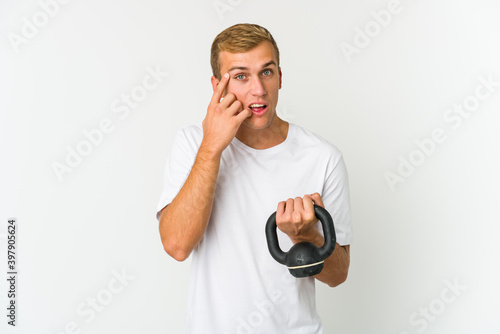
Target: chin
257, 125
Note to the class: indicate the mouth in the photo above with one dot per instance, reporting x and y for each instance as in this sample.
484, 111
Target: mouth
258, 109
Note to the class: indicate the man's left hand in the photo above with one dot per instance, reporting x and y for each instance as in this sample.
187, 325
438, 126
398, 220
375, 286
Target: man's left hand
296, 218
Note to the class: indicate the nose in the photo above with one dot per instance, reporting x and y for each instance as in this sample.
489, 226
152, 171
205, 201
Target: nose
256, 87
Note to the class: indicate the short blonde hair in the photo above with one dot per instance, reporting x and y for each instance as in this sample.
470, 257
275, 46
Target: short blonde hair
239, 38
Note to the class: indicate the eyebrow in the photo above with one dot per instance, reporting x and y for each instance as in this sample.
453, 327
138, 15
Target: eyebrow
243, 68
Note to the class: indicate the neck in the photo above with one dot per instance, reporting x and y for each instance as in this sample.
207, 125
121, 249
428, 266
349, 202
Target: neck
260, 139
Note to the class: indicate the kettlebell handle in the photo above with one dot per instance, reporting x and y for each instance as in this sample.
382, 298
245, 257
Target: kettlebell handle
328, 232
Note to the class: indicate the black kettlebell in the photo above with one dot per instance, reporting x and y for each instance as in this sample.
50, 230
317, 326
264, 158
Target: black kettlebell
303, 259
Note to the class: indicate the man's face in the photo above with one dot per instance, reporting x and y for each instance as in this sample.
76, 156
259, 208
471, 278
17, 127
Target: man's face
255, 80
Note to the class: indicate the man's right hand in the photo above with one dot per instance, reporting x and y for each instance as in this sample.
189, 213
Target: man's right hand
184, 221
223, 118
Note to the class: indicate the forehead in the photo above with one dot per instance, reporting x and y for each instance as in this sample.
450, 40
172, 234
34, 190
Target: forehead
254, 58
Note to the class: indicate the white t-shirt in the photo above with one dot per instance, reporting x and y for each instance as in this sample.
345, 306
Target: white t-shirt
235, 285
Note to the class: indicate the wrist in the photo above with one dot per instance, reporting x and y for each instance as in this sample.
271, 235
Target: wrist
312, 235
209, 151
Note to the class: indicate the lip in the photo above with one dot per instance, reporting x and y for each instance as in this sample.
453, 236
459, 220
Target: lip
260, 112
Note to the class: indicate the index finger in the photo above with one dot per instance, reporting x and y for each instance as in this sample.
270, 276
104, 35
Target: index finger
280, 211
220, 89
316, 197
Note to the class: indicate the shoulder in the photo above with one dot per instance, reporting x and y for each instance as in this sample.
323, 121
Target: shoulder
190, 134
312, 141
187, 140
191, 131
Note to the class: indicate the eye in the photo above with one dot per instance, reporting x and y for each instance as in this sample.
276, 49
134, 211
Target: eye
240, 77
267, 72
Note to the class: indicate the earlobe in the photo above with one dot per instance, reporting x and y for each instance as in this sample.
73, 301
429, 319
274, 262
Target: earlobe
214, 82
281, 76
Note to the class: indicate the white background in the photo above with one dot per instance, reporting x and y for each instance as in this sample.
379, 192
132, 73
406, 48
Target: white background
437, 228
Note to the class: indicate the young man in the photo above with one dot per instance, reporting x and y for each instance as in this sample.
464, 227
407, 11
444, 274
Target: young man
223, 180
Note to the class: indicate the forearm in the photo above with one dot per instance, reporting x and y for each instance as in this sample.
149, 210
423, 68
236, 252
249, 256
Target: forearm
336, 266
184, 221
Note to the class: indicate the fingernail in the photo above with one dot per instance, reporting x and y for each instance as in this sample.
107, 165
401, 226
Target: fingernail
226, 75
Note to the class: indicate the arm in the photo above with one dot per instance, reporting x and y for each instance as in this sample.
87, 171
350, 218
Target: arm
336, 266
296, 218
184, 221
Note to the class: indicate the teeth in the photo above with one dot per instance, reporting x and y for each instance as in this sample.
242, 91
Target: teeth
257, 105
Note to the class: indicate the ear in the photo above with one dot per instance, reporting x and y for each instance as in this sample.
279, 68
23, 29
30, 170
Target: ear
214, 81
281, 76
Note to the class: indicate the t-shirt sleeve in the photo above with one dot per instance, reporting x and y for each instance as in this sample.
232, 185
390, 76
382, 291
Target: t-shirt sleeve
178, 166
335, 196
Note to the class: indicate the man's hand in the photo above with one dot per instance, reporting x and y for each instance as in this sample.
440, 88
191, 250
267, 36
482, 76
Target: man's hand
296, 217
223, 118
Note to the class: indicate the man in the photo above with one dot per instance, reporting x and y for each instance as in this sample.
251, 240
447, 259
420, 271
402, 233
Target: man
226, 176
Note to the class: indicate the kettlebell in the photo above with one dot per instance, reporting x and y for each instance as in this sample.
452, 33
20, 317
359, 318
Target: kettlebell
304, 259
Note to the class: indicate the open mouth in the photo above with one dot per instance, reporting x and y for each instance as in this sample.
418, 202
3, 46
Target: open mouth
258, 108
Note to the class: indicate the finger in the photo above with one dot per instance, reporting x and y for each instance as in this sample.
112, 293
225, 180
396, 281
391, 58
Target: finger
308, 206
228, 101
298, 210
289, 207
220, 89
298, 205
316, 197
280, 211
244, 114
235, 107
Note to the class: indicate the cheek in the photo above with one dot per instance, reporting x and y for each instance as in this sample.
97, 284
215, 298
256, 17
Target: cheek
273, 89
237, 89
273, 84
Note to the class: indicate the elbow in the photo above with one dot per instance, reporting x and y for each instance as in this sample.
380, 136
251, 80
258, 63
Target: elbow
171, 244
341, 278
180, 256
342, 268
177, 252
